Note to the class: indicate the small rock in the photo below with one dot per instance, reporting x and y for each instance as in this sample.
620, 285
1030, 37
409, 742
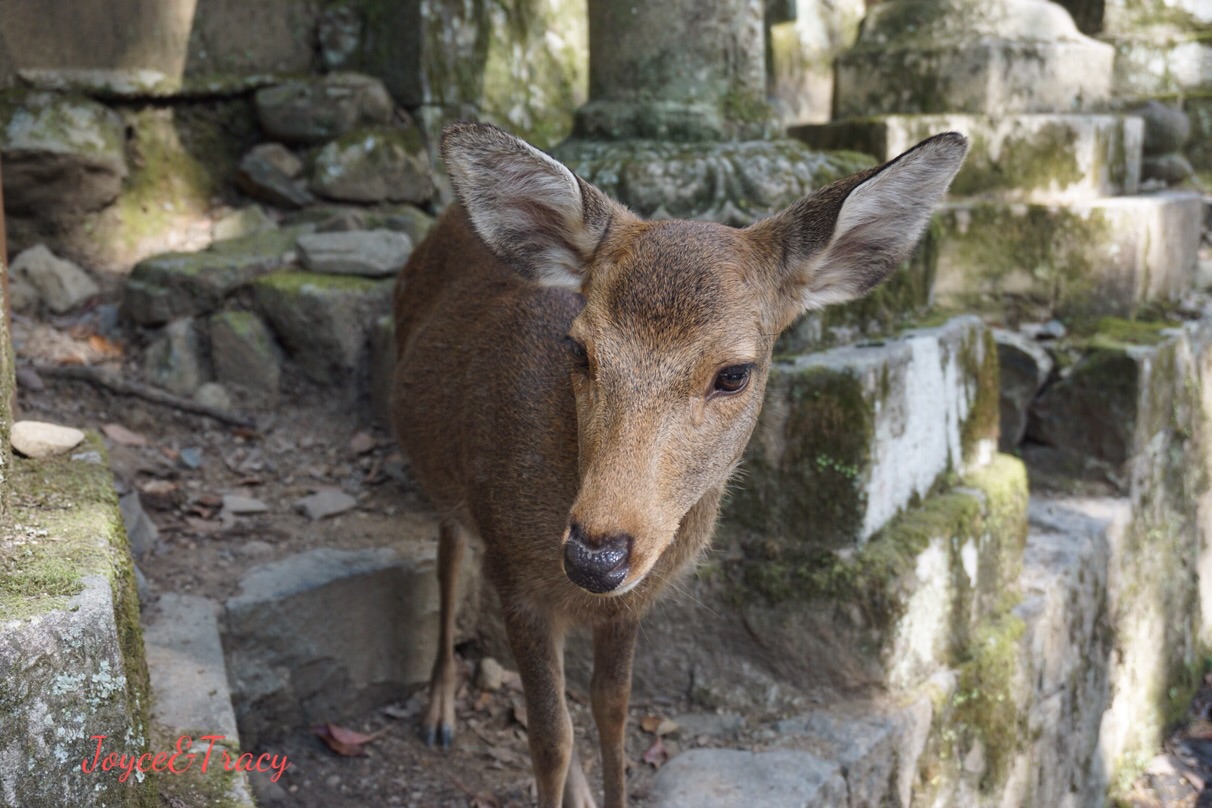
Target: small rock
326, 503
1053, 329
1170, 169
339, 32
313, 111
342, 222
23, 295
361, 443
1025, 367
28, 379
243, 506
191, 458
371, 254
242, 222
140, 529
269, 173
174, 360
1167, 128
378, 165
215, 396
256, 548
404, 218
92, 457
245, 356
490, 675
61, 285
62, 155
39, 439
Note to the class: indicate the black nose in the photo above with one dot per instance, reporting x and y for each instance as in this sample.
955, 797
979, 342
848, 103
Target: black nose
598, 566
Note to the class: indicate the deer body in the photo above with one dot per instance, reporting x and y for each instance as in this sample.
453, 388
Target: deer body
575, 386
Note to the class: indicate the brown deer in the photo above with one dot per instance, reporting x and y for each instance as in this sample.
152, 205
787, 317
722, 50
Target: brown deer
575, 386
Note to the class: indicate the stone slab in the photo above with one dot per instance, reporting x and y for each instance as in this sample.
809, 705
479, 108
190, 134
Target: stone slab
1148, 66
71, 657
328, 633
1035, 262
1046, 158
827, 464
724, 778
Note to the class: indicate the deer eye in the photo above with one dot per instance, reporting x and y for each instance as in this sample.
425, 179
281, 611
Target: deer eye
732, 379
580, 359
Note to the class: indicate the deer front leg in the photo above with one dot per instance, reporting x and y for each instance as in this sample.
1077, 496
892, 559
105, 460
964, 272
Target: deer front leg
440, 717
610, 689
538, 648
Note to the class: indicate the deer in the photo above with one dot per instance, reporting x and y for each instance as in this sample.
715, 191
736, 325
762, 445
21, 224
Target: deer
575, 386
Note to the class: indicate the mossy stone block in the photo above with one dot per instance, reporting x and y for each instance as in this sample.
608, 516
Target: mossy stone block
324, 320
1046, 158
826, 467
71, 647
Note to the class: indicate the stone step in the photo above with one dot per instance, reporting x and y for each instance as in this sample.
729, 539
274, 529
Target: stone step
1035, 262
71, 657
300, 641
1149, 65
827, 466
991, 58
1042, 158
1132, 393
191, 698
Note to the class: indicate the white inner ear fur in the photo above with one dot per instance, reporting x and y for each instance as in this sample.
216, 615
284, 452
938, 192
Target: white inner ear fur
885, 214
535, 198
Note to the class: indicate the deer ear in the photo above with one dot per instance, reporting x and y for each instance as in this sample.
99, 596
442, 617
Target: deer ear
843, 241
531, 211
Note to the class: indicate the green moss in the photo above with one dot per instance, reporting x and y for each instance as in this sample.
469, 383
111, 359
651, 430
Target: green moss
216, 788
986, 707
1039, 160
984, 419
1116, 332
294, 283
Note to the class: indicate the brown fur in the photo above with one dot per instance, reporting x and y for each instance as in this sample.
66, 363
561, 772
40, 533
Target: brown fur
512, 442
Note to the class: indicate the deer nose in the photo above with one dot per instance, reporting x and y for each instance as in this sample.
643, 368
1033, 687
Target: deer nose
597, 566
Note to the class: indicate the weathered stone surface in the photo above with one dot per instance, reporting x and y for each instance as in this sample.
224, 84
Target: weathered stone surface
382, 368
247, 221
722, 778
407, 219
1047, 158
877, 749
175, 359
826, 464
1032, 262
328, 633
313, 111
1168, 169
804, 39
991, 58
70, 643
22, 295
368, 253
1161, 63
240, 505
1024, 366
213, 395
61, 155
38, 439
141, 531
324, 320
270, 173
189, 680
735, 183
340, 33
60, 284
245, 356
173, 285
1114, 402
375, 165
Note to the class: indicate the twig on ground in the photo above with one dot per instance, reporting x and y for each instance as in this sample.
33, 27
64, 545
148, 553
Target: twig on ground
99, 377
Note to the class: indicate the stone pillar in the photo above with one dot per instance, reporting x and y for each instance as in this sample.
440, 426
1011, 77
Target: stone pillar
8, 382
681, 69
677, 123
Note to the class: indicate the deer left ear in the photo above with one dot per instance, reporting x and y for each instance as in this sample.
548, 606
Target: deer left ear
843, 241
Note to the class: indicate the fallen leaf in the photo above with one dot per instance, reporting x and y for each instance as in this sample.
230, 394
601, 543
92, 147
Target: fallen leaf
483, 701
649, 723
666, 726
106, 347
120, 434
343, 741
657, 754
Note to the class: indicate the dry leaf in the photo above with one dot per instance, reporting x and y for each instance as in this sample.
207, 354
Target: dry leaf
657, 754
106, 347
482, 702
666, 726
343, 741
121, 435
649, 723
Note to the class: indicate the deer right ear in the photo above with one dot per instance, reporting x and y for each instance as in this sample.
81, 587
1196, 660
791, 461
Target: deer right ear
844, 240
531, 211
